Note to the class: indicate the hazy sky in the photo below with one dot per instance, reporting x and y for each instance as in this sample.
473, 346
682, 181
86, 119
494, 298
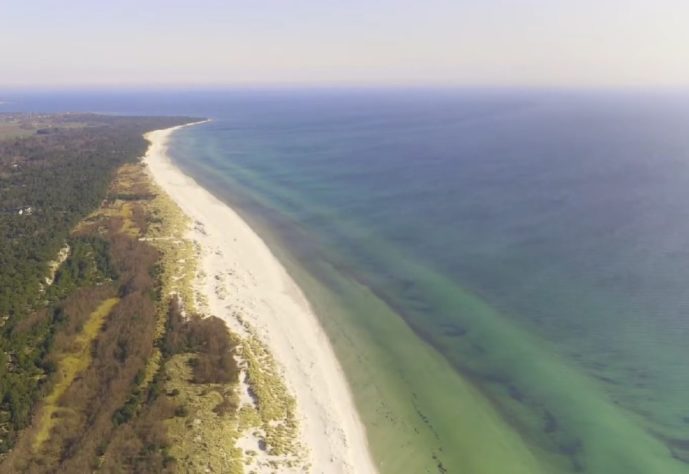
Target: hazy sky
470, 42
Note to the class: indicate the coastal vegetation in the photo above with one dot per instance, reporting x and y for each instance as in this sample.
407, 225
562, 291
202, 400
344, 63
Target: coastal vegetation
108, 362
232, 410
61, 176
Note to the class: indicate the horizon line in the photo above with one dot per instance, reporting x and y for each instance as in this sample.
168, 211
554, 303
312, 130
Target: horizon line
276, 86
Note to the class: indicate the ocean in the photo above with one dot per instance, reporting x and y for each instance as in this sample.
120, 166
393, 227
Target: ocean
502, 273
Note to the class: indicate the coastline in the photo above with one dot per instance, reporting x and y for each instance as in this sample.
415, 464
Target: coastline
243, 283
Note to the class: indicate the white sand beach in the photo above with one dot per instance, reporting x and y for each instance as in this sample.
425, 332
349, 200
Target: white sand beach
240, 276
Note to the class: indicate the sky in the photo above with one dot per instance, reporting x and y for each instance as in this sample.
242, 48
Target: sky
588, 43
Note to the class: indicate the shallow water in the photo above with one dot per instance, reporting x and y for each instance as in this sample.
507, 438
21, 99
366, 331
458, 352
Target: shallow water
502, 273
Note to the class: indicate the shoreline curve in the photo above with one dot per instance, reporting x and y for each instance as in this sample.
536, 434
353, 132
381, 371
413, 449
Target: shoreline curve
258, 287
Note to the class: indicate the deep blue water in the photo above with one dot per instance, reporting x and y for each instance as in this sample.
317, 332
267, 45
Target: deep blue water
505, 228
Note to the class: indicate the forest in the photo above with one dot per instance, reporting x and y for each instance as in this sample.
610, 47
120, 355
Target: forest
107, 360
54, 171
61, 176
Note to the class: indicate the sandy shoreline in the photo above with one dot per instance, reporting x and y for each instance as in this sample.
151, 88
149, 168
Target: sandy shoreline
241, 276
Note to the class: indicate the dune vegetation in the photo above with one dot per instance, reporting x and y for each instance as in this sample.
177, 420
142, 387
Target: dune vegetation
120, 370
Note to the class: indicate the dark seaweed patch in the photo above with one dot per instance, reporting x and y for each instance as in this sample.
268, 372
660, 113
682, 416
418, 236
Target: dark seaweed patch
607, 380
550, 425
678, 443
453, 330
514, 392
572, 448
439, 464
426, 421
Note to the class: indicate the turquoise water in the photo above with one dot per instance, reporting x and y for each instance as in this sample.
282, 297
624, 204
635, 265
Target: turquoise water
503, 274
